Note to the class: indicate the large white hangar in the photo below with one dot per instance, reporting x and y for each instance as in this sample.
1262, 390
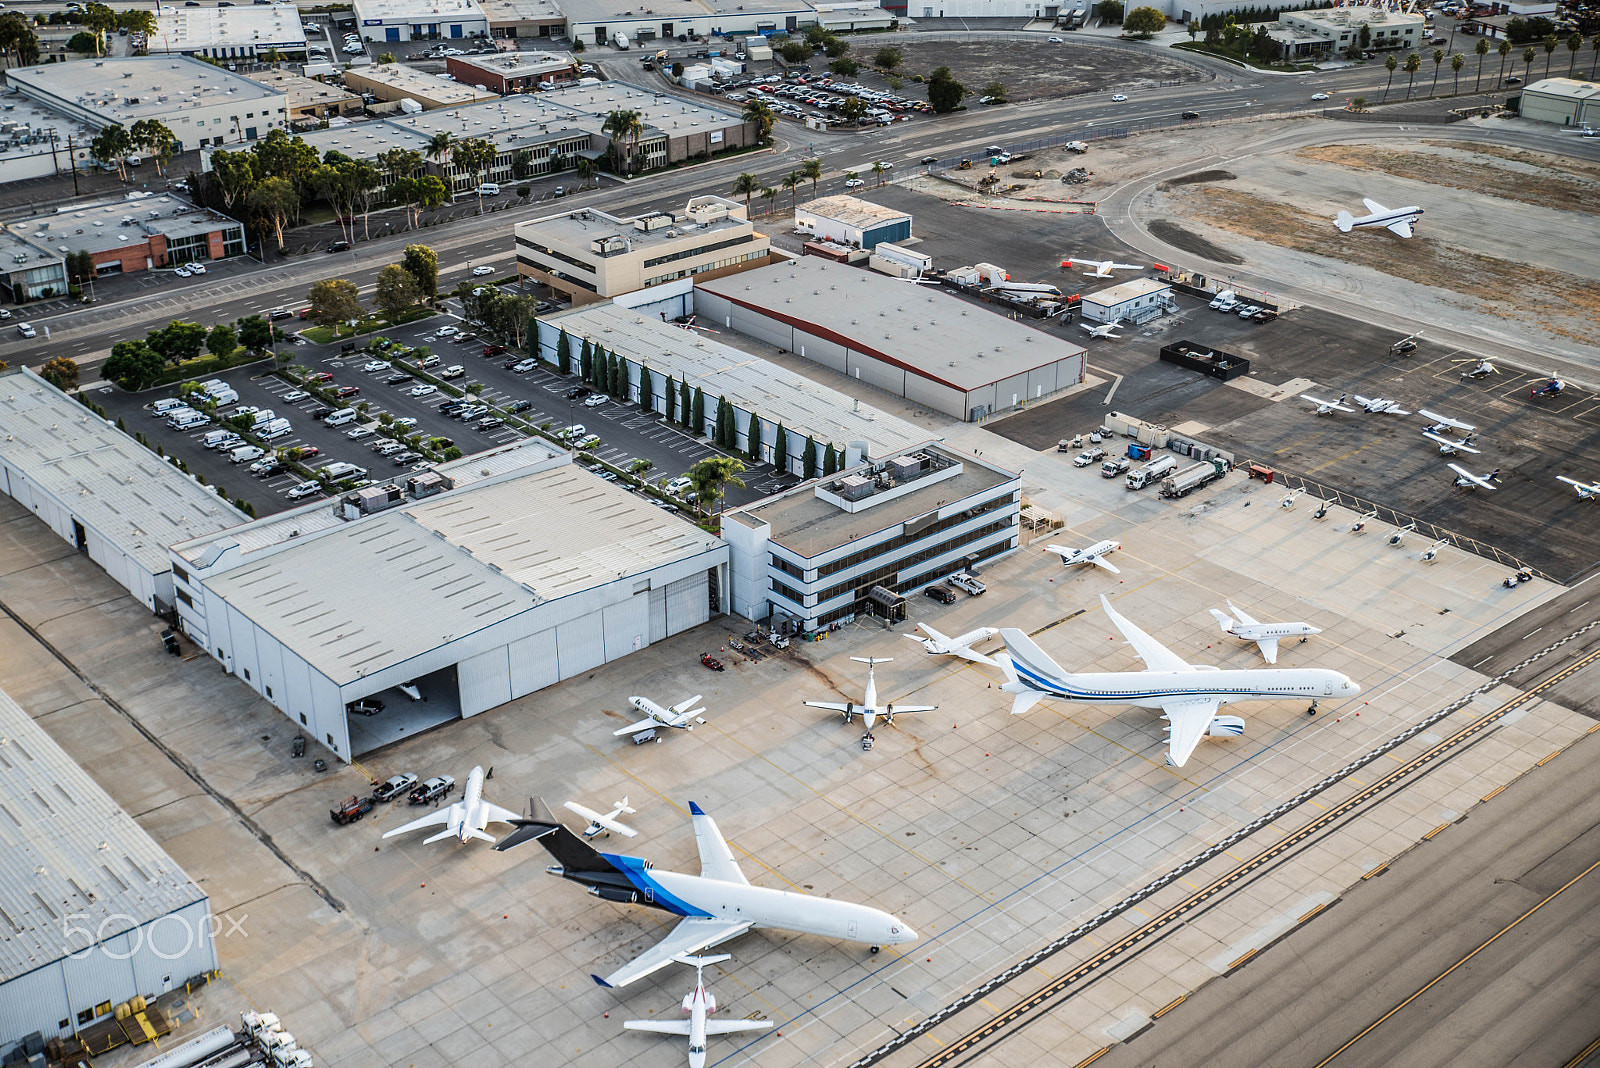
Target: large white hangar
462, 589
917, 342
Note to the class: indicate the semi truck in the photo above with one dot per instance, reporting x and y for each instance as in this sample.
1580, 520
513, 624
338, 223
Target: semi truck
1153, 471
1190, 479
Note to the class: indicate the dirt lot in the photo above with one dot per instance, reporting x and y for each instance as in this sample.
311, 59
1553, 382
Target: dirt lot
1030, 73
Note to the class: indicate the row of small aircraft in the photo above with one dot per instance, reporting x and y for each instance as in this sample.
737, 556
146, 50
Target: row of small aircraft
1438, 432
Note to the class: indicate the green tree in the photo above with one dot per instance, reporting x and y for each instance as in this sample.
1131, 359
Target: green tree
833, 47
439, 146
845, 67
879, 169
586, 362
275, 201
255, 333
616, 377
84, 43
1145, 22
475, 156
830, 461
422, 263
221, 342
133, 365
780, 449
794, 52
100, 19
280, 156
234, 175
60, 372
888, 58
647, 386
396, 291
1482, 49
760, 113
625, 127
1109, 10
564, 353
754, 432
792, 182
770, 195
110, 147
178, 340
746, 185
386, 57
588, 172
1457, 61
1549, 45
945, 93
18, 39
710, 478
1389, 64
853, 110
155, 140
1528, 55
602, 371
1594, 46
994, 92
1574, 42
685, 403
334, 301
1413, 64
808, 459
697, 422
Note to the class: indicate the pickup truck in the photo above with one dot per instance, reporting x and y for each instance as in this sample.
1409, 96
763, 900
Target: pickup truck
966, 583
1088, 456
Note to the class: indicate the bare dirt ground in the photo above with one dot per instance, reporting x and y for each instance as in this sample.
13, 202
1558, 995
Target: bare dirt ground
1540, 178
1029, 74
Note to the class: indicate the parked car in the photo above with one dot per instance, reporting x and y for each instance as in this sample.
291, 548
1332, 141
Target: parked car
455, 370
493, 350
588, 441
483, 268
27, 330
341, 246
367, 706
359, 433
423, 390
295, 395
405, 422
403, 458
576, 391
431, 790
304, 490
519, 406
431, 361
274, 467
308, 451
318, 378
346, 391
399, 377
393, 787
522, 367
491, 423
594, 401
942, 594
280, 313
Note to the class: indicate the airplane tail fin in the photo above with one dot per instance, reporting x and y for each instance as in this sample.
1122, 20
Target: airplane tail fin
570, 851
1345, 222
1022, 656
1224, 620
478, 832
872, 659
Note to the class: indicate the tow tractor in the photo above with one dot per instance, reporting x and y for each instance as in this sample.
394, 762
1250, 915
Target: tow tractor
351, 809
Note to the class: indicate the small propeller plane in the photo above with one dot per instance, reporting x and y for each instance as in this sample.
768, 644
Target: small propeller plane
1444, 424
1467, 480
1094, 554
1479, 369
698, 1004
1433, 550
1102, 268
1328, 407
1400, 533
1104, 329
677, 716
604, 823
940, 645
1381, 405
1450, 446
869, 710
1398, 220
1587, 491
1265, 635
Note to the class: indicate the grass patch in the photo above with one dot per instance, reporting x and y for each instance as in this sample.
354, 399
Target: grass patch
321, 335
206, 366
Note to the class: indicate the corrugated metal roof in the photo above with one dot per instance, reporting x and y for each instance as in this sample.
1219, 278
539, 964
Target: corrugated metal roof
853, 211
70, 858
111, 482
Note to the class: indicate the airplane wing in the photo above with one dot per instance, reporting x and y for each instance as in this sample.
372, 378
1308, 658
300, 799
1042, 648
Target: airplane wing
690, 936
1468, 475
1127, 266
662, 1027
729, 1027
683, 706
832, 706
903, 709
716, 859
1156, 657
967, 653
1446, 420
633, 728
1401, 227
1188, 719
1269, 649
1241, 615
1373, 206
1101, 561
436, 818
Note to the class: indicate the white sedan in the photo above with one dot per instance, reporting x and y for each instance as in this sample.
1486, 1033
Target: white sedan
482, 269
854, 183
444, 331
1055, 40
424, 390
375, 365
594, 400
197, 268
360, 432
405, 422
1119, 98
295, 395
1319, 96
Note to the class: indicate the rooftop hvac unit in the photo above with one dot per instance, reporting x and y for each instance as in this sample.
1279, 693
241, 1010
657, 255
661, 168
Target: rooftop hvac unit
854, 487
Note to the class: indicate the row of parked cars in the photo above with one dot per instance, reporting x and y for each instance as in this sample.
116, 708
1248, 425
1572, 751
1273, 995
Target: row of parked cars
964, 581
1229, 303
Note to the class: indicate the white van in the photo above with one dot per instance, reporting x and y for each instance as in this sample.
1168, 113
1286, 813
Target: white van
341, 417
262, 416
1227, 296
224, 395
489, 189
277, 428
166, 406
246, 453
213, 385
344, 470
216, 437
188, 419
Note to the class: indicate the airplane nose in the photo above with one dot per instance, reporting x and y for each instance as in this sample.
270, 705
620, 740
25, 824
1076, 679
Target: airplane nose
1355, 687
906, 934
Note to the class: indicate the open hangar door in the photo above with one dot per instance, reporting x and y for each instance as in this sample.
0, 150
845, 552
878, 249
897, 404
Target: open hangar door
417, 706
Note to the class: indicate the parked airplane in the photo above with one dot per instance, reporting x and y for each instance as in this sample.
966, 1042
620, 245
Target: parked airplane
1450, 446
1265, 635
941, 645
716, 905
604, 823
1398, 220
1104, 330
1102, 268
1188, 695
1328, 407
1094, 554
1443, 424
465, 819
698, 1005
1433, 550
1587, 491
1381, 405
677, 716
1467, 480
869, 710
1400, 533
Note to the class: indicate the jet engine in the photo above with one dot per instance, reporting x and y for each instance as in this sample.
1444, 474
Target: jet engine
1226, 727
615, 893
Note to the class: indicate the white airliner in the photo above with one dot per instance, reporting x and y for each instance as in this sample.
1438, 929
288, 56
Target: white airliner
1450, 446
869, 710
465, 819
716, 905
698, 1005
1094, 554
1380, 405
1188, 695
677, 716
1103, 268
1467, 480
941, 645
1265, 635
1398, 220
1587, 491
1104, 330
603, 822
1328, 407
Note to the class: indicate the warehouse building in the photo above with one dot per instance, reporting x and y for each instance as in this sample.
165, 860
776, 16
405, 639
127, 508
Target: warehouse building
308, 99
95, 912
99, 490
420, 20
1135, 301
847, 220
524, 18
123, 236
238, 32
514, 72
849, 545
1563, 101
392, 82
465, 585
598, 22
916, 342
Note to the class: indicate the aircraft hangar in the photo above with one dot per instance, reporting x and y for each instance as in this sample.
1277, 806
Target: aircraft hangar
469, 586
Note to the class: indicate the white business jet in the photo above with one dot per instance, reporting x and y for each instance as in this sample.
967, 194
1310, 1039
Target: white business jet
1450, 446
677, 716
716, 905
465, 819
1328, 407
1094, 554
869, 710
606, 822
1587, 491
1381, 405
940, 645
1467, 480
1104, 329
1398, 220
697, 1006
1265, 635
1103, 268
1188, 695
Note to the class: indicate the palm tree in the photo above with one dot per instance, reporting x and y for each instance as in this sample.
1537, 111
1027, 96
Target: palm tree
1594, 46
879, 169
1549, 47
625, 127
770, 194
587, 171
812, 168
746, 185
1457, 61
1482, 48
439, 146
711, 475
1438, 58
1528, 55
1504, 50
1413, 64
792, 182
758, 112
1574, 43
1389, 65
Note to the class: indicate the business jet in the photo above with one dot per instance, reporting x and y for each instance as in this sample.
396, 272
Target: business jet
1450, 446
604, 822
869, 710
1433, 550
1479, 369
1380, 405
677, 716
1265, 635
698, 1004
1102, 268
1095, 554
716, 905
1587, 491
1328, 407
940, 645
1104, 330
1398, 220
465, 819
1467, 480
1188, 695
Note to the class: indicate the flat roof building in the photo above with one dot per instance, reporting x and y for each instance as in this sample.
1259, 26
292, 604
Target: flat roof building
95, 911
308, 98
587, 255
524, 18
466, 583
393, 81
1563, 101
124, 236
916, 342
1334, 30
849, 220
414, 20
596, 21
244, 31
513, 72
1135, 301
119, 503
